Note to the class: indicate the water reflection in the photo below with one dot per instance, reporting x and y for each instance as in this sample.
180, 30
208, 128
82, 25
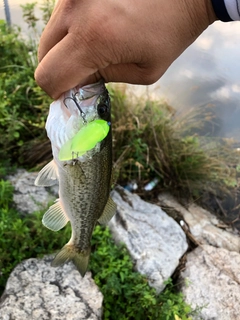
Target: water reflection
207, 72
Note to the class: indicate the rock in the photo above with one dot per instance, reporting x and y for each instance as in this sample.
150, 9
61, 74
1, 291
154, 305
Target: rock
36, 291
154, 240
203, 225
211, 282
28, 197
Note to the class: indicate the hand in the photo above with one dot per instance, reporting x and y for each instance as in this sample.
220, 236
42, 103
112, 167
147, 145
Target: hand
132, 41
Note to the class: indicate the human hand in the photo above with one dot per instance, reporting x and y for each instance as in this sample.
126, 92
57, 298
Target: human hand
133, 41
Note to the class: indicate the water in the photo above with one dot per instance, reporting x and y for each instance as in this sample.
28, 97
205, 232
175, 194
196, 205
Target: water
207, 72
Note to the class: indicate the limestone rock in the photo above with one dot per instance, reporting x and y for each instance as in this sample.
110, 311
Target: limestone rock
28, 197
36, 291
213, 283
203, 225
154, 240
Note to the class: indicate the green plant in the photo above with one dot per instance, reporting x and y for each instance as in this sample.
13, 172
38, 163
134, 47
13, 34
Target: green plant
127, 294
29, 15
23, 105
47, 8
22, 237
6, 194
150, 140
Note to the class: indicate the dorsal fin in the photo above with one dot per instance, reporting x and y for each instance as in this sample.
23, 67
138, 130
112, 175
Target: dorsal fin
48, 175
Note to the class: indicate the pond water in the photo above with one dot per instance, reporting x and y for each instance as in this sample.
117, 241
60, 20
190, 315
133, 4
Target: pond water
207, 72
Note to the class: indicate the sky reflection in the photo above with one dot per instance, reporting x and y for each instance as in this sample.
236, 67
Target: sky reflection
207, 72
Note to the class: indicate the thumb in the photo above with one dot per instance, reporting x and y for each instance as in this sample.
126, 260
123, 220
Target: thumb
64, 67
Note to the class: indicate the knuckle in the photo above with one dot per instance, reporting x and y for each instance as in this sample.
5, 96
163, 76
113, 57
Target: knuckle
149, 76
38, 77
68, 5
94, 49
44, 82
96, 34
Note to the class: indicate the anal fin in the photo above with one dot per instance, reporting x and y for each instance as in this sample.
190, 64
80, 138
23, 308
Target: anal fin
55, 218
109, 211
48, 175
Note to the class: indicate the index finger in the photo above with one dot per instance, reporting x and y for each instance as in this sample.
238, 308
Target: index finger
64, 67
55, 30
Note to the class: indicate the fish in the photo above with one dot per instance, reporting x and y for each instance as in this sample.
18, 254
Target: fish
82, 168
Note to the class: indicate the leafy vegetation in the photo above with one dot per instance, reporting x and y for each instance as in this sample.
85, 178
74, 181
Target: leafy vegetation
23, 105
22, 237
126, 293
149, 140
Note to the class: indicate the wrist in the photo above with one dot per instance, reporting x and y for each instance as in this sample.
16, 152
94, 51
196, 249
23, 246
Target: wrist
227, 10
202, 14
210, 11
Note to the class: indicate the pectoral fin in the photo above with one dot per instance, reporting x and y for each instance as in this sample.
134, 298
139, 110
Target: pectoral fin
48, 175
55, 218
108, 212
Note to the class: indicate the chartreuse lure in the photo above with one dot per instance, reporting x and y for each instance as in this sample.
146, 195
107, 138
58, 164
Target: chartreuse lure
86, 139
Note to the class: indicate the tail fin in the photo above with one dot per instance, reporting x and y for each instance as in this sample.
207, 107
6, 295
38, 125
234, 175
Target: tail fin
70, 252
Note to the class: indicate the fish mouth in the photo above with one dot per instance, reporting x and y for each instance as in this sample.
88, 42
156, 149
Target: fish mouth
85, 99
91, 90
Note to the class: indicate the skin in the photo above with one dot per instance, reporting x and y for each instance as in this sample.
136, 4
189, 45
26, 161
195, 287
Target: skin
120, 41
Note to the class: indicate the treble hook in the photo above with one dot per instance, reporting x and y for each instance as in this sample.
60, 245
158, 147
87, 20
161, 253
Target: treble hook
83, 114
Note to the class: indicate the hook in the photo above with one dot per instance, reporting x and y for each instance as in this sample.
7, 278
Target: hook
83, 115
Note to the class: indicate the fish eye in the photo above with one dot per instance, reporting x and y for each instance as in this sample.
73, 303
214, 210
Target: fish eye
102, 109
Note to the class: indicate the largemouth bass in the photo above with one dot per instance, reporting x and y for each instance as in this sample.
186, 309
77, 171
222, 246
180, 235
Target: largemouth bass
82, 162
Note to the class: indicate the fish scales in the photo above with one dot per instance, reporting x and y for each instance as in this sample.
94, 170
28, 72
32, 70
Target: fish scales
89, 196
84, 177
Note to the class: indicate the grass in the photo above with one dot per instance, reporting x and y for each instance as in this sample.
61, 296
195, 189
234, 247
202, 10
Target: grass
126, 292
149, 138
151, 141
